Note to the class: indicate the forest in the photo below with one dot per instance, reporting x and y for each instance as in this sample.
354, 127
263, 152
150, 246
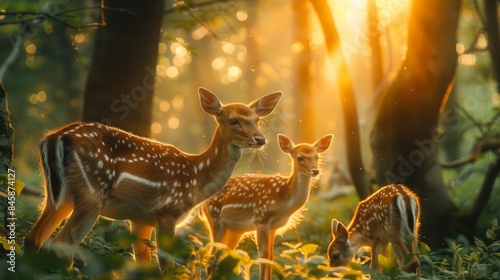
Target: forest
382, 91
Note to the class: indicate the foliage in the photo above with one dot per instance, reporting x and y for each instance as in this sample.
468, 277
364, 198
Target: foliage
16, 184
106, 254
464, 261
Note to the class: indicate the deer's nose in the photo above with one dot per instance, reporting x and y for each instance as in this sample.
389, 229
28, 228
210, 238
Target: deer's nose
315, 171
260, 140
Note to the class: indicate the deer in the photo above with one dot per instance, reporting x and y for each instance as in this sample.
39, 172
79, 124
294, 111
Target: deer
92, 170
264, 203
390, 214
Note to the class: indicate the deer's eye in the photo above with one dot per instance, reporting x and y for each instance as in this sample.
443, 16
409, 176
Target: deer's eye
335, 257
233, 121
300, 159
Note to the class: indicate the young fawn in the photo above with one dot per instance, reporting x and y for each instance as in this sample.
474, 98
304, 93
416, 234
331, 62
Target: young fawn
91, 169
389, 215
264, 203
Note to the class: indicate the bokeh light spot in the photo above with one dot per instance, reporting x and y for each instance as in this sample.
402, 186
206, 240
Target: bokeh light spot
178, 103
156, 127
30, 48
173, 123
164, 106
218, 63
162, 48
172, 72
242, 15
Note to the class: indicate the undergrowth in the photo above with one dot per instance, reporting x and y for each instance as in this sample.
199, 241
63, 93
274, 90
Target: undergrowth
299, 254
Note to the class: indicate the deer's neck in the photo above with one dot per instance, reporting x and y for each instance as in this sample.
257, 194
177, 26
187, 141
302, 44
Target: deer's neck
357, 233
357, 240
300, 187
215, 165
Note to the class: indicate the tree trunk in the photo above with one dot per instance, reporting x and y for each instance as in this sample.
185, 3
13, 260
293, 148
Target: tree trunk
121, 80
374, 36
254, 57
492, 29
6, 148
404, 138
304, 102
6, 134
359, 176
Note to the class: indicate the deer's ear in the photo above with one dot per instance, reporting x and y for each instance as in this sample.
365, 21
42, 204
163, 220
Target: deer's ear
209, 102
334, 228
286, 145
265, 105
323, 143
339, 231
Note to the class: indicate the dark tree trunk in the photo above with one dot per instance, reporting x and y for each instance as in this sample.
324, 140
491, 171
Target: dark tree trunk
6, 148
121, 81
404, 138
6, 134
492, 29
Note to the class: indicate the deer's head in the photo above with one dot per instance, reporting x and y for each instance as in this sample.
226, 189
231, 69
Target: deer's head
305, 156
340, 252
240, 122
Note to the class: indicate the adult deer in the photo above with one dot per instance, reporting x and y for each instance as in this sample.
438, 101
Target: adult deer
389, 215
91, 169
264, 203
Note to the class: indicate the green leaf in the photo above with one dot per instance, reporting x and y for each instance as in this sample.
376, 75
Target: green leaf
391, 255
495, 245
480, 271
474, 258
17, 185
424, 248
458, 263
230, 262
309, 248
293, 246
352, 274
383, 261
5, 243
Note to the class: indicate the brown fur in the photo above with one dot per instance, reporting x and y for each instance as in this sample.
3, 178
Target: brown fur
91, 169
270, 201
377, 221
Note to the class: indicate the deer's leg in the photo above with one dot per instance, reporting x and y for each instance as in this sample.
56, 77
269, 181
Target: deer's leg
265, 243
48, 221
404, 245
414, 264
218, 231
142, 251
165, 232
270, 250
231, 238
77, 227
376, 249
400, 250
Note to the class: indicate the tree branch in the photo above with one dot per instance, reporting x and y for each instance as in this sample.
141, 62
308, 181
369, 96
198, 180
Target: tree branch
330, 32
42, 15
479, 148
16, 48
486, 189
181, 6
